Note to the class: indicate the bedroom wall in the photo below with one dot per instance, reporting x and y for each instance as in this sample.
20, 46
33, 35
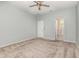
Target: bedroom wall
15, 24
77, 22
69, 16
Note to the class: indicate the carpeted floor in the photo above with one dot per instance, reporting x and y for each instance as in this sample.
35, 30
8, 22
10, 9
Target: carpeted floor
40, 48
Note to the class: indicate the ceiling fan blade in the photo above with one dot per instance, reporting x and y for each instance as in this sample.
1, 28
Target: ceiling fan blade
36, 2
45, 5
32, 5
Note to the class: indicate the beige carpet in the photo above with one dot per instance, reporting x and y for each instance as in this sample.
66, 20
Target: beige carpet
40, 48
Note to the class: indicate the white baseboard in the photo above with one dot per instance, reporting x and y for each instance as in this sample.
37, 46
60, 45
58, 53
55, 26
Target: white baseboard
14, 42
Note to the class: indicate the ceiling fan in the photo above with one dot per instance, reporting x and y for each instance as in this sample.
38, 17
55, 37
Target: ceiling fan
39, 4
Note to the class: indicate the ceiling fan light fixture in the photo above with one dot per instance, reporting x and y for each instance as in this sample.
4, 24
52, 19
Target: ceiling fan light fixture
39, 4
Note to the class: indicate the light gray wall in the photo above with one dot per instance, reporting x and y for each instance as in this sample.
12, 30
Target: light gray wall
77, 23
15, 24
69, 16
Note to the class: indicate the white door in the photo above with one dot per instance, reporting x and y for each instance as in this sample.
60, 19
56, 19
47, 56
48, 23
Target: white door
40, 28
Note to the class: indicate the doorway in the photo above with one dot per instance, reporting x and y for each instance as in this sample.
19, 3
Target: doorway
40, 29
59, 29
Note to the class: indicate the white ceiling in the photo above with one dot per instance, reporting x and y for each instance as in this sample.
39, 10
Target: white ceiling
54, 5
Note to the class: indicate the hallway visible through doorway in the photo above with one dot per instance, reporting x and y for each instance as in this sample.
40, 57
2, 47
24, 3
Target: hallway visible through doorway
59, 29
